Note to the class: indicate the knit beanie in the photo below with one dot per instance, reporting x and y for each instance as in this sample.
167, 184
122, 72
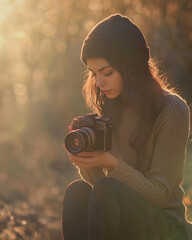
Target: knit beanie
115, 37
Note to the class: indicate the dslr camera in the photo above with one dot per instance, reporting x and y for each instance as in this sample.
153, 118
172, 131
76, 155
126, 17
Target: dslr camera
89, 133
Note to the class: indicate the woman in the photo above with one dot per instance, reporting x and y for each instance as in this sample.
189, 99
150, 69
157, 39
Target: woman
134, 190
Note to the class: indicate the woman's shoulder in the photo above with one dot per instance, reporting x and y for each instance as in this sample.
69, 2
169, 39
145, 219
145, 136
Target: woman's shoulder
175, 111
175, 104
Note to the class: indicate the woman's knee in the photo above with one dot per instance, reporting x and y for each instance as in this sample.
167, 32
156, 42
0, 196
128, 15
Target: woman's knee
105, 182
104, 188
77, 189
104, 201
107, 187
108, 183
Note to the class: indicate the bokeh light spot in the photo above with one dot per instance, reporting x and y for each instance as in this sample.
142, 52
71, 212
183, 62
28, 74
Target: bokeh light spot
21, 69
46, 45
89, 25
95, 6
38, 75
19, 89
61, 46
23, 222
72, 29
5, 10
48, 30
51, 15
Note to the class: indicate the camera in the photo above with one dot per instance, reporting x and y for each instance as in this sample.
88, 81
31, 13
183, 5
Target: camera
89, 133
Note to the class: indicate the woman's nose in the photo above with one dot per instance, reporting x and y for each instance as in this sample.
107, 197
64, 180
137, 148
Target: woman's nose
100, 82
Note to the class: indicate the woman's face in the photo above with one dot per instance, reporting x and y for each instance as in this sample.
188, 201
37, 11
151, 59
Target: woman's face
106, 77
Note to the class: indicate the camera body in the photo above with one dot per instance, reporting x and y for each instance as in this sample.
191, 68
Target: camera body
89, 133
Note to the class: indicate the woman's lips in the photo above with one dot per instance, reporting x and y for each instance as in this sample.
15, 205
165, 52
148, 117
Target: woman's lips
107, 91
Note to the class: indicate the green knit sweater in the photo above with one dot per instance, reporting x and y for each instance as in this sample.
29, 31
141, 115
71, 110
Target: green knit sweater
166, 152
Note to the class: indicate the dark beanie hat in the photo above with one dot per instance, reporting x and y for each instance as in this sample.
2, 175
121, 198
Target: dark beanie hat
116, 37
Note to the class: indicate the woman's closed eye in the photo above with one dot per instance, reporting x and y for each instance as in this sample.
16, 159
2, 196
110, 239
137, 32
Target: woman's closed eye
106, 75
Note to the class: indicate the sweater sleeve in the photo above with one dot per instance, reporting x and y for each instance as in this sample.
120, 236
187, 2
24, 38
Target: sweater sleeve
167, 159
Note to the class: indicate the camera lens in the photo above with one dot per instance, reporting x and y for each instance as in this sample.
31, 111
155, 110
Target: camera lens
80, 140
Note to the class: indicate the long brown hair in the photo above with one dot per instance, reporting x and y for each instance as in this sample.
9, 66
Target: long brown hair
144, 91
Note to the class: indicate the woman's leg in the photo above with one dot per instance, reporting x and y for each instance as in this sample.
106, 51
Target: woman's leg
118, 212
75, 210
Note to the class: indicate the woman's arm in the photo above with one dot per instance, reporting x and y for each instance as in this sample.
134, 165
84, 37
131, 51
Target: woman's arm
167, 160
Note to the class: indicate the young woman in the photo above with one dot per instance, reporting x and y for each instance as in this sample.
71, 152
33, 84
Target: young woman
134, 190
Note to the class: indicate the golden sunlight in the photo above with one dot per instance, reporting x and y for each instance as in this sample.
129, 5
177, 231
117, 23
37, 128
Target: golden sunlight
41, 79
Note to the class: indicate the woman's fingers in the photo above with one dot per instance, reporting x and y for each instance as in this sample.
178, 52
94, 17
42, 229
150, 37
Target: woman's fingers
70, 128
89, 154
84, 159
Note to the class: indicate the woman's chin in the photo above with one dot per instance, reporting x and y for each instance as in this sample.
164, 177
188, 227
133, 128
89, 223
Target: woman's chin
110, 96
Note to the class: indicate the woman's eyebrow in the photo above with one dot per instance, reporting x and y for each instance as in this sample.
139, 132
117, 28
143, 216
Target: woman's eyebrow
100, 68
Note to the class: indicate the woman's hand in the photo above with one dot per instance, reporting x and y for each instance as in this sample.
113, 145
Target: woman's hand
93, 159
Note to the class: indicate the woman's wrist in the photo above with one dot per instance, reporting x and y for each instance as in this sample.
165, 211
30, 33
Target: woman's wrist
113, 164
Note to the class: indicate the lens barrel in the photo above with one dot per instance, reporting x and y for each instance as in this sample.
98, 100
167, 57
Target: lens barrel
80, 140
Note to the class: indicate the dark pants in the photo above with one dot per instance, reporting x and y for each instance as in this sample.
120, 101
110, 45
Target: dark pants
113, 211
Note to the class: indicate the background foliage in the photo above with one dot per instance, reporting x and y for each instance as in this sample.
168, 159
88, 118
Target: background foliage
40, 92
